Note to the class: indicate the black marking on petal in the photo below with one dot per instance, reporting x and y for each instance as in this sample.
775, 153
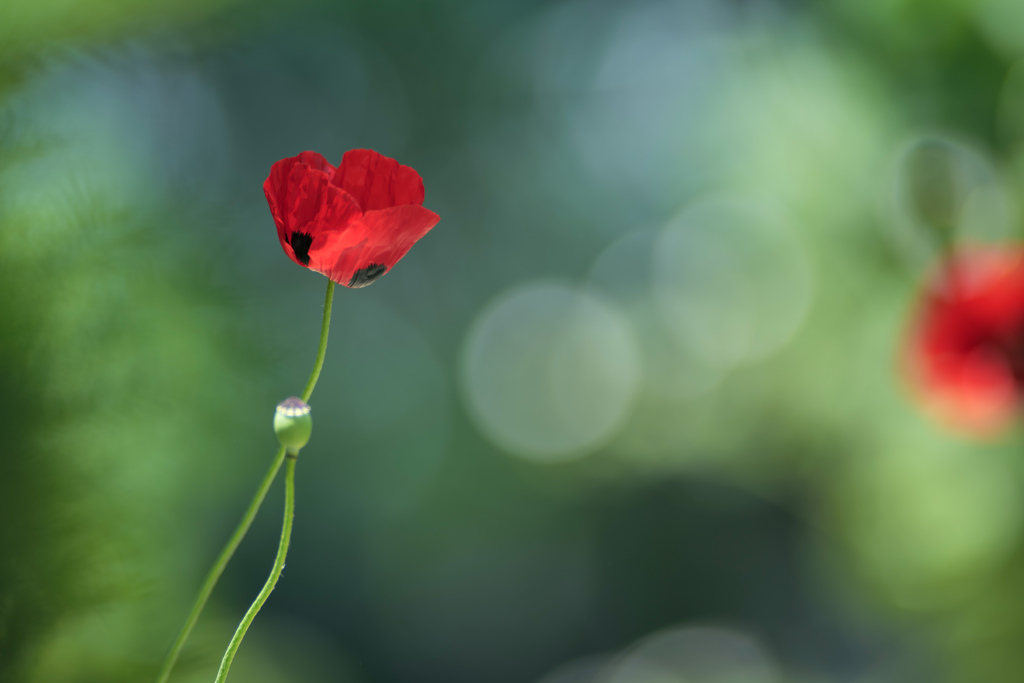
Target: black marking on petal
366, 276
300, 242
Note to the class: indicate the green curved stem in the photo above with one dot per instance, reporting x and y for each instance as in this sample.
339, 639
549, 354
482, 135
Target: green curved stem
218, 566
243, 526
275, 573
322, 351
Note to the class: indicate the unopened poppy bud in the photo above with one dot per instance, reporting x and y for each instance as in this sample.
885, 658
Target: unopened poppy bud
293, 423
938, 182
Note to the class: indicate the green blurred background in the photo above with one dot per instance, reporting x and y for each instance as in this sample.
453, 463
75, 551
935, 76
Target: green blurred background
631, 413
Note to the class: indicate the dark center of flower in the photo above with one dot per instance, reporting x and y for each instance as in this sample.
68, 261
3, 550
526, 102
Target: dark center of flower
1005, 348
1013, 351
366, 276
300, 242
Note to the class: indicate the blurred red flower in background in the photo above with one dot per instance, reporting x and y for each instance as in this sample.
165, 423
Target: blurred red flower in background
965, 352
351, 223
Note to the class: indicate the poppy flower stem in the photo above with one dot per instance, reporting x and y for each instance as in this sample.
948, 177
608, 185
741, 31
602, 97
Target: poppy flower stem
243, 526
275, 573
218, 567
325, 328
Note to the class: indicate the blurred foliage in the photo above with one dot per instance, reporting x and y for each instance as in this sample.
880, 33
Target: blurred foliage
632, 412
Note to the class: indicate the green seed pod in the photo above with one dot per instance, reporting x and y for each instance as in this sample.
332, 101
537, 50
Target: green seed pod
293, 423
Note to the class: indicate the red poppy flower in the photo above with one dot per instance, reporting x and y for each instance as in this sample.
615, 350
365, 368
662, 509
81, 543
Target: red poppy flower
966, 348
351, 223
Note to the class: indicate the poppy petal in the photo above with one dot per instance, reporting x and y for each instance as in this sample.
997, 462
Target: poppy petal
975, 394
306, 206
376, 242
315, 160
376, 181
965, 351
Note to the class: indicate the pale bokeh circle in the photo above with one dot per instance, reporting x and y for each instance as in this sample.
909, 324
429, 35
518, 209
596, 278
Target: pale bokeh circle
732, 279
622, 273
549, 372
695, 655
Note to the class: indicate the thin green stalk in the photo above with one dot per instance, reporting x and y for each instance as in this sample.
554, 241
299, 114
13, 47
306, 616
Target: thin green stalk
243, 527
218, 566
275, 573
322, 351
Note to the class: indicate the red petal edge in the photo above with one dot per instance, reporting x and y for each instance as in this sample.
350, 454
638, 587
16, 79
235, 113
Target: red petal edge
376, 181
376, 242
